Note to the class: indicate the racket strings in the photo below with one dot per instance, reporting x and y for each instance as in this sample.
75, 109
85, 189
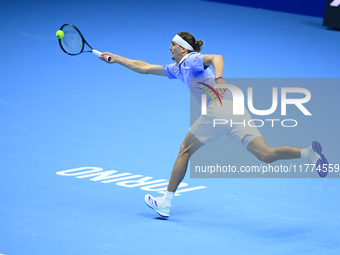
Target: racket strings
72, 41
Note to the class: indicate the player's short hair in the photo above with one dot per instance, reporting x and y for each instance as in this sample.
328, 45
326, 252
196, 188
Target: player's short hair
189, 38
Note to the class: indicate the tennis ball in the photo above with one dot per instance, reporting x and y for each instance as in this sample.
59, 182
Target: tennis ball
60, 34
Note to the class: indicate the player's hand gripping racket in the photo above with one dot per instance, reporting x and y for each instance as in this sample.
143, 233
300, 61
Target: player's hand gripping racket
73, 42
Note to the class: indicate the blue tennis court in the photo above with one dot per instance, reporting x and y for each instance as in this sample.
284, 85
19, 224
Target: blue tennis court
83, 141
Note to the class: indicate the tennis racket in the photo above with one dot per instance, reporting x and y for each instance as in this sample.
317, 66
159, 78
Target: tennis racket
73, 42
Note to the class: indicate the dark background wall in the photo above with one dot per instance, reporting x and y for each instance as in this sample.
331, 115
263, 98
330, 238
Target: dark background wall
305, 7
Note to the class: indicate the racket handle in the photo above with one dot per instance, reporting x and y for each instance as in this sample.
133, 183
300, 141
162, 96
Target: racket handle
98, 53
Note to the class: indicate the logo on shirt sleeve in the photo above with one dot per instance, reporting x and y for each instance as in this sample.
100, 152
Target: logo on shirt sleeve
208, 92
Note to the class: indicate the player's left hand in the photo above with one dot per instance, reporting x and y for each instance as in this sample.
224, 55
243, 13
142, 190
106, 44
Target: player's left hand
221, 91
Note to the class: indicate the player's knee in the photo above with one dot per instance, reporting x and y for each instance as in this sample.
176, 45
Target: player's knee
267, 156
184, 147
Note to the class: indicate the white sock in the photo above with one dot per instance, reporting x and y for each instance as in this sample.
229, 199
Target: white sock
309, 154
168, 197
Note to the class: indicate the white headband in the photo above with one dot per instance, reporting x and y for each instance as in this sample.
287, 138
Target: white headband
180, 41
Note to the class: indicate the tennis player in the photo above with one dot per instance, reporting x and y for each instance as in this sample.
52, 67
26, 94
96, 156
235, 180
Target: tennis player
190, 63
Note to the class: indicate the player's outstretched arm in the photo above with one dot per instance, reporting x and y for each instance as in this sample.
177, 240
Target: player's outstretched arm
134, 65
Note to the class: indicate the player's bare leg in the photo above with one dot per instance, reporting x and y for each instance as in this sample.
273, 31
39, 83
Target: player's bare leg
313, 154
162, 204
259, 147
187, 149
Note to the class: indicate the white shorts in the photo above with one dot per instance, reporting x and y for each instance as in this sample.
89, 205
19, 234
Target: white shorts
203, 129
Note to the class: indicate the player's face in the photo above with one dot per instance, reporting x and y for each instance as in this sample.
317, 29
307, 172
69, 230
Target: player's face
177, 51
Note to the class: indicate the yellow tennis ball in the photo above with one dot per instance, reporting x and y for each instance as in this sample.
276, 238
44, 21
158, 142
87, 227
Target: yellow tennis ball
60, 34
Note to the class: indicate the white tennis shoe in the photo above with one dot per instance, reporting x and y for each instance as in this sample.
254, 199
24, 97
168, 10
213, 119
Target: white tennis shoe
156, 203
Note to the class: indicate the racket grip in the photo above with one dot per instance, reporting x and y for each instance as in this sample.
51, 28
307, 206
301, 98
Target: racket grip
98, 53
